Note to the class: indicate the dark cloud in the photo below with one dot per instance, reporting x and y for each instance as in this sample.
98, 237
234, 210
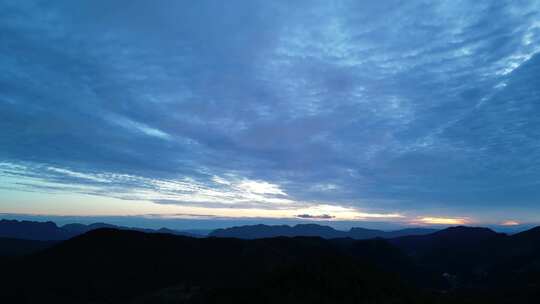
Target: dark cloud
311, 216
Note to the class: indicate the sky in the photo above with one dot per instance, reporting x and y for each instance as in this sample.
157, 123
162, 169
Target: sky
360, 112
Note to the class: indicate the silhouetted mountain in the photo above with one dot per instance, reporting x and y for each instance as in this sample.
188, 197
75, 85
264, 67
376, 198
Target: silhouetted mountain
460, 237
477, 258
118, 266
363, 233
516, 259
17, 247
76, 229
45, 231
454, 265
408, 231
32, 230
267, 231
164, 230
528, 235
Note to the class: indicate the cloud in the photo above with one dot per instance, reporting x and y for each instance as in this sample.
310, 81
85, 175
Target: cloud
139, 127
217, 196
261, 187
70, 173
387, 108
319, 217
229, 190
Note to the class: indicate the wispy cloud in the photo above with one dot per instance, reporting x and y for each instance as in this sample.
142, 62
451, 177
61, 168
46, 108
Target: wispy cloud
138, 127
315, 216
214, 195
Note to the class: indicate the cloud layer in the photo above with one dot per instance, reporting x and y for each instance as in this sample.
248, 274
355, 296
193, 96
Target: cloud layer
417, 108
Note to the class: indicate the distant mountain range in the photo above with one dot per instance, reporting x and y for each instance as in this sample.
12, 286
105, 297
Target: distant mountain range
49, 231
326, 232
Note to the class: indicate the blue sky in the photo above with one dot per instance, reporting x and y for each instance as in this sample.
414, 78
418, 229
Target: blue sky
398, 112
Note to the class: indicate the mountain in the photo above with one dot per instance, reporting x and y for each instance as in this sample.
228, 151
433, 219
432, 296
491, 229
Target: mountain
454, 250
529, 236
363, 233
76, 229
45, 231
454, 265
268, 231
459, 238
121, 266
477, 258
17, 247
408, 231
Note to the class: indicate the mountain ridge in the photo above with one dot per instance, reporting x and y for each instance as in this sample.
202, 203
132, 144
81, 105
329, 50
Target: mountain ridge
50, 231
121, 266
327, 232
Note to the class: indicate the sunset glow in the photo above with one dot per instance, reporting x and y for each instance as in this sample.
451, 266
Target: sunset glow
510, 223
443, 221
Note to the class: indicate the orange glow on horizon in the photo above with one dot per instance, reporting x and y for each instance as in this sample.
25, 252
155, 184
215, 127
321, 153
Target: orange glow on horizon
510, 223
443, 221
